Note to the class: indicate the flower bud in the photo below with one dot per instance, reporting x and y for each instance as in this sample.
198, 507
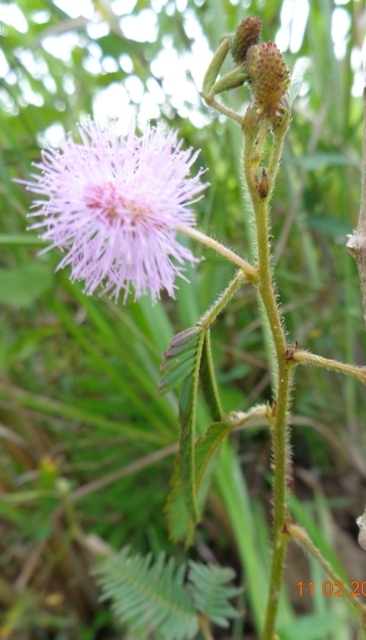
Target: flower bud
270, 79
247, 34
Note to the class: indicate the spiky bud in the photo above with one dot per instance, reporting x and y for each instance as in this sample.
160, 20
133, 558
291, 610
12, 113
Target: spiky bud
270, 78
247, 34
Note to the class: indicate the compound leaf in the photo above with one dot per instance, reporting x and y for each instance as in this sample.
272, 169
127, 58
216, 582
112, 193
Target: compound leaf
149, 596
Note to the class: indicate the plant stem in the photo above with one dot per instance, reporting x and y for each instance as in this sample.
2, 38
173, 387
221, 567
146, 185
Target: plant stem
226, 111
204, 626
211, 314
305, 357
250, 272
254, 144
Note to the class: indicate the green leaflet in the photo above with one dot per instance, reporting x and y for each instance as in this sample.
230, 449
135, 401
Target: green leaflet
208, 382
183, 340
179, 359
176, 372
208, 446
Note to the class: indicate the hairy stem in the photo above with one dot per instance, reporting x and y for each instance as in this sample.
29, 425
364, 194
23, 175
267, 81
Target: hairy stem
254, 145
250, 272
210, 316
305, 357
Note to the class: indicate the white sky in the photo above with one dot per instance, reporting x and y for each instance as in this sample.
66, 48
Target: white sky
169, 66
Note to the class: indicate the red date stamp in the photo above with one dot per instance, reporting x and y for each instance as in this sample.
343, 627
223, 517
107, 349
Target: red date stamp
329, 588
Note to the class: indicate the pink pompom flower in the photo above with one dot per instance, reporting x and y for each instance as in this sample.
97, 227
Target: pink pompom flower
114, 204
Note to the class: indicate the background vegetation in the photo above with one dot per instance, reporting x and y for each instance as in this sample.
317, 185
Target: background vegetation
86, 447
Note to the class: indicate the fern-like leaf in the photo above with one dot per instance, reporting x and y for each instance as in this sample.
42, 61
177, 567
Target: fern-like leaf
210, 594
153, 597
149, 597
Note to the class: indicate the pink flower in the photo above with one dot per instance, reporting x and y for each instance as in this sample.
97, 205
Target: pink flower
114, 205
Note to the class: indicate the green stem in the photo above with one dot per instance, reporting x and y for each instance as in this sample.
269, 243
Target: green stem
250, 272
204, 626
254, 145
281, 463
22, 239
211, 314
221, 108
305, 357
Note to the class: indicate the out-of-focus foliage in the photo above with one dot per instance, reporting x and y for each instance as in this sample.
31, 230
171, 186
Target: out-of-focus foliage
156, 597
85, 444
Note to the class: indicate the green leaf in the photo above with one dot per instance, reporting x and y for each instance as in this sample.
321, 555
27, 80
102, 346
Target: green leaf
196, 463
311, 626
329, 225
208, 446
181, 362
23, 285
210, 594
321, 160
187, 420
148, 596
179, 521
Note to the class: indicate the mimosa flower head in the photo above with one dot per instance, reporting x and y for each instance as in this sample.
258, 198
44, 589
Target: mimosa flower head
114, 203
